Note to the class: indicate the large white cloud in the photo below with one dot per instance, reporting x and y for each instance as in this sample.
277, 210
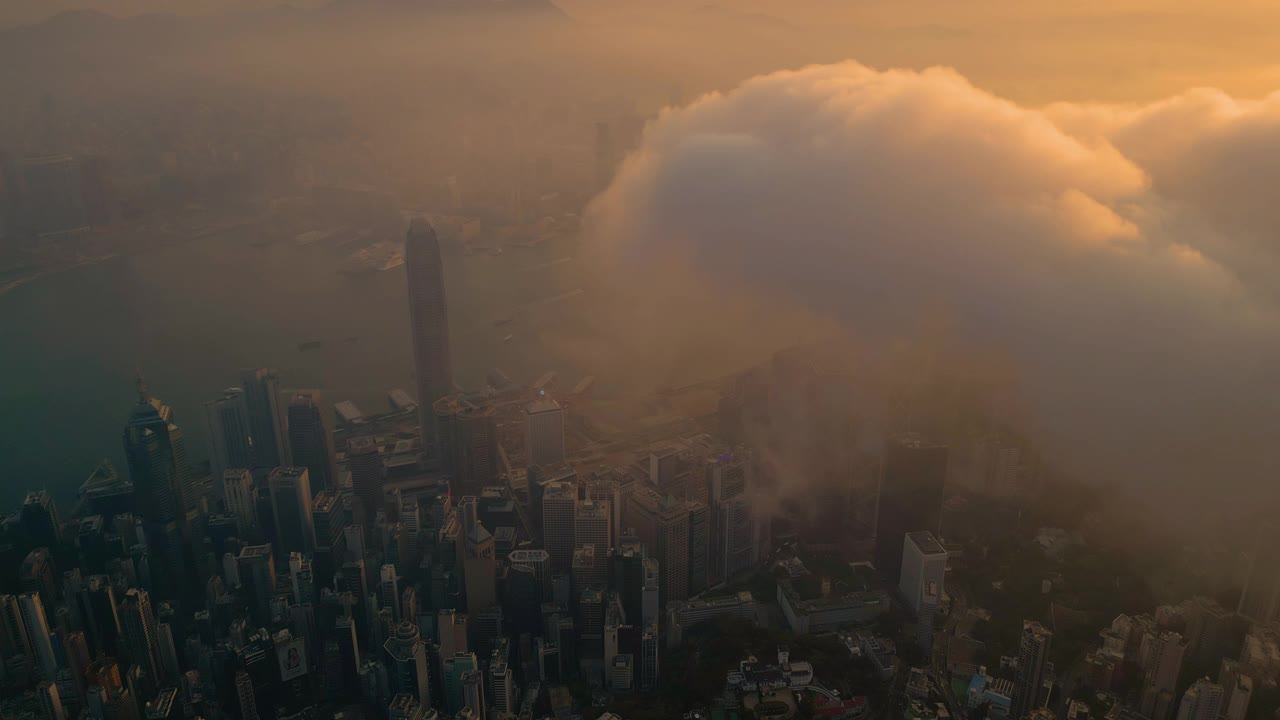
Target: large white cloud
1114, 253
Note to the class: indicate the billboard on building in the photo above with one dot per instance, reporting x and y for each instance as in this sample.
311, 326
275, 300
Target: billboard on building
292, 657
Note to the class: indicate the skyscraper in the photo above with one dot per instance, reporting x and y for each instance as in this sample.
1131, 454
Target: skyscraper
429, 325
477, 558
290, 489
138, 624
407, 662
700, 545
258, 577
227, 426
267, 428
37, 627
592, 528
923, 562
311, 439
245, 695
368, 476
1164, 652
163, 485
544, 432
1033, 654
39, 519
911, 497
559, 504
467, 443
662, 524
237, 495
1260, 598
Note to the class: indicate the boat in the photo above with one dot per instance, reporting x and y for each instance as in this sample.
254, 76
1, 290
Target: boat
310, 345
507, 339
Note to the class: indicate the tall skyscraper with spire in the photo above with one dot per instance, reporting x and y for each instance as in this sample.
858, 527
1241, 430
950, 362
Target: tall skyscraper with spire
429, 323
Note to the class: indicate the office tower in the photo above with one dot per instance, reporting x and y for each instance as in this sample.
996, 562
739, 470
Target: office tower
267, 427
1209, 630
473, 692
302, 578
407, 662
39, 519
662, 524
1033, 655
167, 653
467, 443
389, 588
539, 562
540, 477
257, 570
368, 476
664, 465
593, 528
544, 432
405, 707
700, 543
1261, 595
1201, 701
477, 558
329, 520
245, 695
502, 684
108, 698
101, 616
36, 625
1164, 653
237, 495
15, 641
290, 489
559, 505
227, 426
429, 325
911, 497
311, 439
412, 532
998, 467
138, 626
163, 484
38, 575
649, 658
923, 562
454, 669
737, 537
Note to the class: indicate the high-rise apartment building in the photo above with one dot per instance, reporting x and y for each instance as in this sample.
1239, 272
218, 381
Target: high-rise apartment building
911, 495
544, 432
311, 439
429, 325
227, 428
267, 419
1201, 701
1033, 656
1164, 653
290, 490
924, 561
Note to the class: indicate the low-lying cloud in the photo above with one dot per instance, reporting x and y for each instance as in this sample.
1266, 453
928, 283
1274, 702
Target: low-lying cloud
1122, 257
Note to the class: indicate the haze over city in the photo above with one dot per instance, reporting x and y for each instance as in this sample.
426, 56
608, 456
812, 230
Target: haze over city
753, 358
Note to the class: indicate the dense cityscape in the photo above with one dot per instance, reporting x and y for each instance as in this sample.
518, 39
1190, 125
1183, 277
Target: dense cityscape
470, 360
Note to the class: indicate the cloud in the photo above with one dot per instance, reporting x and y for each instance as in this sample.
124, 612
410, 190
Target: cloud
1112, 252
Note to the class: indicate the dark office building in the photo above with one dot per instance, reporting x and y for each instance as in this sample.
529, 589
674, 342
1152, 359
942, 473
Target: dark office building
911, 494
